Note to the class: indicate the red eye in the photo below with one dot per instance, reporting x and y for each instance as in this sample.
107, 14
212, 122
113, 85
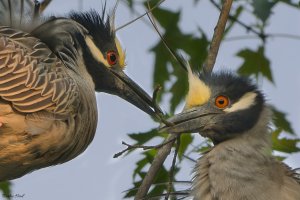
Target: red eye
222, 101
111, 57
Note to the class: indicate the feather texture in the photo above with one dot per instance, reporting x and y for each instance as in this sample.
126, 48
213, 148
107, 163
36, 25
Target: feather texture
243, 168
44, 106
32, 77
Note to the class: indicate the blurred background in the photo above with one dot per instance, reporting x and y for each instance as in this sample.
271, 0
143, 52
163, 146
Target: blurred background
95, 174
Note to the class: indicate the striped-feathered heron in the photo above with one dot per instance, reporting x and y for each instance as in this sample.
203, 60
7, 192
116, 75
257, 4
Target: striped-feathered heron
49, 72
232, 112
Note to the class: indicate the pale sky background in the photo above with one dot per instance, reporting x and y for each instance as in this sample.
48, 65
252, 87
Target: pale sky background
95, 174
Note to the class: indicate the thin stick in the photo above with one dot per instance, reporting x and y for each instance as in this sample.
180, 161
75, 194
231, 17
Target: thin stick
139, 17
248, 28
172, 170
177, 57
165, 150
271, 35
217, 37
129, 147
157, 162
157, 110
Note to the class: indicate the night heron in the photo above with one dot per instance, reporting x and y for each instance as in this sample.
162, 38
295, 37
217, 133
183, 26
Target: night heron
49, 72
232, 112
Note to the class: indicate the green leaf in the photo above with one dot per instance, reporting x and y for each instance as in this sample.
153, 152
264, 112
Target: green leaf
284, 145
140, 165
5, 187
161, 182
230, 24
178, 90
159, 185
166, 18
255, 63
143, 137
148, 156
204, 147
130, 4
280, 121
161, 74
280, 158
185, 141
262, 9
196, 48
132, 191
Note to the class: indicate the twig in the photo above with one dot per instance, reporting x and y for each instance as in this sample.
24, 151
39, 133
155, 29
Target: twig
165, 150
177, 57
139, 17
217, 37
271, 35
188, 183
157, 162
190, 159
144, 147
248, 28
171, 175
183, 193
157, 109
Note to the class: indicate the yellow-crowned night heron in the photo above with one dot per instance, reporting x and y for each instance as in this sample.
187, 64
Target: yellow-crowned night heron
49, 71
231, 111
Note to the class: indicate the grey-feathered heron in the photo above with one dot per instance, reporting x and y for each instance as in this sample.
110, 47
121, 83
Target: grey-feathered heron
49, 72
232, 112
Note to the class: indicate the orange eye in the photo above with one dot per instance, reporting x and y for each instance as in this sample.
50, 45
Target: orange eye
222, 101
111, 57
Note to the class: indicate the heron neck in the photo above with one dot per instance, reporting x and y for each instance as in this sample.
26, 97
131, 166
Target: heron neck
228, 163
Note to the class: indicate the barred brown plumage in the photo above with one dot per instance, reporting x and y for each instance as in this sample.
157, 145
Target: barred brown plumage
49, 72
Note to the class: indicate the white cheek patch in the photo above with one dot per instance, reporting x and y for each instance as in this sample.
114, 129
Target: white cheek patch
246, 101
96, 51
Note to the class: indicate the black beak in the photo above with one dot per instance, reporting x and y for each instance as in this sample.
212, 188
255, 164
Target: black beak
118, 83
192, 120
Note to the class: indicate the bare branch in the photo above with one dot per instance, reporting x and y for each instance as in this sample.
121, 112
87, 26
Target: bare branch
157, 162
144, 147
217, 37
139, 17
164, 151
177, 57
271, 35
261, 35
172, 170
190, 159
157, 110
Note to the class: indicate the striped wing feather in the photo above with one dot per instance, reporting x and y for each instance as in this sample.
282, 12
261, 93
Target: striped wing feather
32, 78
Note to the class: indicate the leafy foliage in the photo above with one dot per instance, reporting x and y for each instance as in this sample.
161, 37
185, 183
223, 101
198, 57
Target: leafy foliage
262, 9
5, 187
255, 63
194, 47
283, 144
280, 121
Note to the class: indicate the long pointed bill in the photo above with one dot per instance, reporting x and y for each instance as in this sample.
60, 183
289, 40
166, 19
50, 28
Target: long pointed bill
128, 90
192, 120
